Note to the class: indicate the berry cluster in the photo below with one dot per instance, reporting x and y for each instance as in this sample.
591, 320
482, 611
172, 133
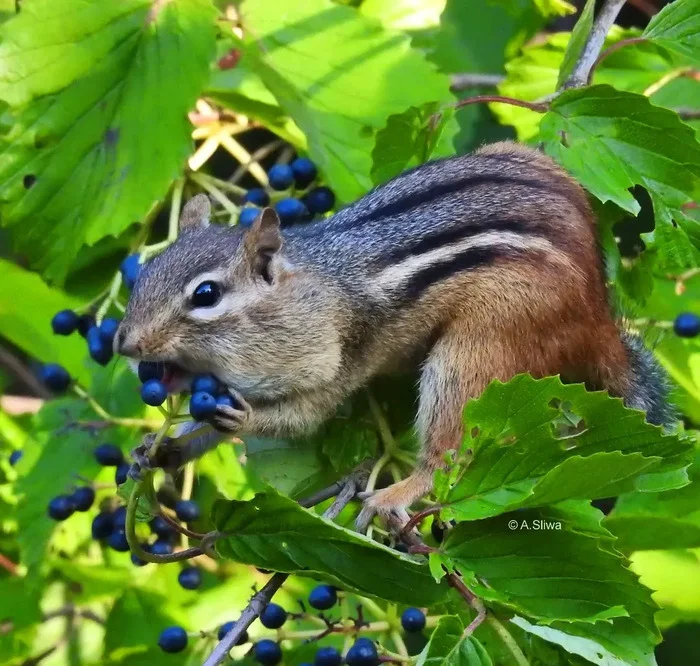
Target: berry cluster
109, 525
283, 178
99, 337
363, 652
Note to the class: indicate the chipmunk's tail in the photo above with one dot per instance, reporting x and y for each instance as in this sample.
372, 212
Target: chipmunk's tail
649, 385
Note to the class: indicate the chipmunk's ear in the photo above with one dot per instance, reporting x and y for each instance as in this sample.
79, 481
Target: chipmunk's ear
262, 240
195, 213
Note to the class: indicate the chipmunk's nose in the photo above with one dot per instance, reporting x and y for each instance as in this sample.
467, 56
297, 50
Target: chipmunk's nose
126, 344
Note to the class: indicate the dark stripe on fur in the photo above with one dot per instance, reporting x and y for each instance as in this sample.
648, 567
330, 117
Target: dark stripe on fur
450, 236
476, 257
437, 192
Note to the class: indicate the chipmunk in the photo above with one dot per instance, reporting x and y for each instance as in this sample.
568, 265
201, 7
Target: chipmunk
482, 266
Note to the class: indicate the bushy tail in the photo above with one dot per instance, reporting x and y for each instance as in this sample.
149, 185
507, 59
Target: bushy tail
649, 387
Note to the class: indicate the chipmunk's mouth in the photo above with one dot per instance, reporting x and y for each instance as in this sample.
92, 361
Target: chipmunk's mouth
176, 378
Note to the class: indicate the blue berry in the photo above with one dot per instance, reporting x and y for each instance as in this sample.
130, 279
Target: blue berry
205, 384
65, 322
153, 392
273, 617
121, 474
108, 329
247, 216
304, 171
161, 547
83, 498
61, 507
98, 350
119, 518
226, 627
362, 653
109, 455
187, 510
320, 200
161, 527
56, 377
14, 457
117, 541
226, 399
323, 597
413, 620
257, 196
687, 325
151, 370
190, 578
327, 656
130, 269
281, 177
102, 526
137, 561
290, 210
172, 639
267, 652
85, 323
202, 406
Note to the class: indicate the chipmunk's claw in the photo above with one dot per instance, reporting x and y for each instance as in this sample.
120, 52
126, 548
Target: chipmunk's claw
231, 419
394, 516
391, 503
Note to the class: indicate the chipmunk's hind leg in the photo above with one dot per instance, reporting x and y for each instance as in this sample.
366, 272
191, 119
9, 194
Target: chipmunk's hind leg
458, 367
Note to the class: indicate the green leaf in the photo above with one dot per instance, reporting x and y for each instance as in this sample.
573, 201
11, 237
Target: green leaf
408, 15
448, 646
241, 90
77, 165
624, 649
274, 532
577, 42
677, 28
531, 442
378, 65
551, 8
29, 327
562, 571
135, 622
651, 521
294, 467
611, 141
412, 138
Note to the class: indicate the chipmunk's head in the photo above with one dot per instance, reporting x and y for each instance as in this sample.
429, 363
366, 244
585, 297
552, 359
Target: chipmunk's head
231, 303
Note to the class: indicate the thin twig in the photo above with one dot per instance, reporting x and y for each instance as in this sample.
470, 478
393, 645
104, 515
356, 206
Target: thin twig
611, 49
508, 641
579, 77
252, 611
419, 516
259, 154
17, 368
9, 565
688, 114
540, 107
470, 80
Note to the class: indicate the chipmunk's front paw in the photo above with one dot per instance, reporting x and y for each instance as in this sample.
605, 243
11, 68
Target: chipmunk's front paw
231, 416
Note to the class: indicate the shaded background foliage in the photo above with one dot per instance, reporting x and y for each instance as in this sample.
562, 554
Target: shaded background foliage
111, 111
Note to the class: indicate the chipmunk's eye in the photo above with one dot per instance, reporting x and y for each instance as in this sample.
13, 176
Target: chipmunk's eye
206, 295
